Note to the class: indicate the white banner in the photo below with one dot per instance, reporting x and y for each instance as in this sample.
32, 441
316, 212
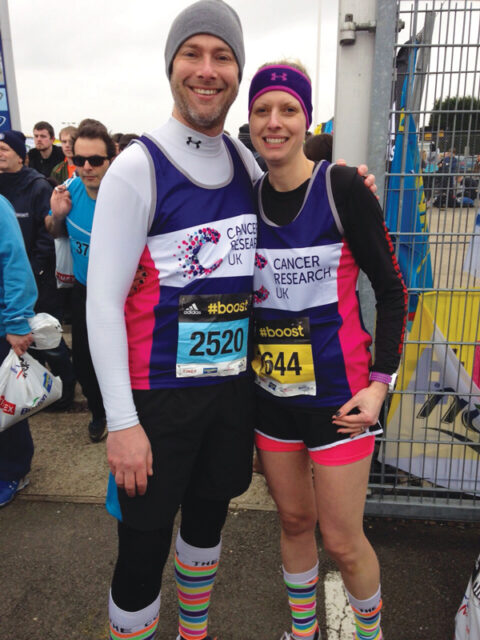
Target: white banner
433, 426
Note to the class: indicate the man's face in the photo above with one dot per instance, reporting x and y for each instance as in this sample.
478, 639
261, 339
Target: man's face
91, 176
66, 141
42, 139
204, 83
10, 161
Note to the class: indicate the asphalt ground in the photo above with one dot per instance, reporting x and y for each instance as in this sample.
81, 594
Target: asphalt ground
58, 547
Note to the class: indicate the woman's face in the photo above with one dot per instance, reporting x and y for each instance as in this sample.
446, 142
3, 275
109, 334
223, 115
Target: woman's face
277, 127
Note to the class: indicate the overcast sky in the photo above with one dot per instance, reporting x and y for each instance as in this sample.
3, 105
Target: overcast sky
104, 58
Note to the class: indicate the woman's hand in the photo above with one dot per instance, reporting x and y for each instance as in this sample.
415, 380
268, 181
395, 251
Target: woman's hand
366, 404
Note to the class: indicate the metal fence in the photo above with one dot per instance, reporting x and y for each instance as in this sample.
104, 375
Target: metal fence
428, 462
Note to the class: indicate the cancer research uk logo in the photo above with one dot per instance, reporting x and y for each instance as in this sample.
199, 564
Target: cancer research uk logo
261, 294
189, 251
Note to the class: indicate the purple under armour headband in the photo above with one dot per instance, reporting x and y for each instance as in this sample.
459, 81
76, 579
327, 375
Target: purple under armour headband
280, 77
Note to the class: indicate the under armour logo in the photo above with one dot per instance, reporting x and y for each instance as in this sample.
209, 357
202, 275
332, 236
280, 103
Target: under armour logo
279, 76
197, 143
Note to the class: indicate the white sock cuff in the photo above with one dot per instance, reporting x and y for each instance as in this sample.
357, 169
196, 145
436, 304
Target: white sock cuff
301, 578
193, 555
132, 621
368, 605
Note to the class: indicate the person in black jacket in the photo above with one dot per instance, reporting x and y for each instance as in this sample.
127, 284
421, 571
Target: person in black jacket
29, 193
46, 155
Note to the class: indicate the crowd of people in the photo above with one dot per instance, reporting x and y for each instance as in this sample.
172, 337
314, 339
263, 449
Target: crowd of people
28, 181
445, 183
187, 258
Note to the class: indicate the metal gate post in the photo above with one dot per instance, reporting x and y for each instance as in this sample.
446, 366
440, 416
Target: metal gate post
381, 95
355, 57
354, 79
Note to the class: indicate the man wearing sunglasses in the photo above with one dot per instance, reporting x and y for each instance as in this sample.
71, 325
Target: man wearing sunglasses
72, 211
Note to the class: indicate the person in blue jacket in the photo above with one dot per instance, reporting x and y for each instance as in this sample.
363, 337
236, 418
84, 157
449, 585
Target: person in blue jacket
18, 294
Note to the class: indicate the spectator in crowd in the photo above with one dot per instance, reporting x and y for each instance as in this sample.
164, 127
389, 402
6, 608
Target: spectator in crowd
72, 212
445, 183
17, 299
433, 157
65, 169
125, 141
45, 156
476, 166
431, 168
466, 191
423, 160
244, 137
319, 147
29, 193
116, 140
449, 162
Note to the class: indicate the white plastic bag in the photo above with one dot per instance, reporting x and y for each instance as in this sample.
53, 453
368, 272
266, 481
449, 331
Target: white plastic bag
25, 388
64, 263
467, 620
47, 331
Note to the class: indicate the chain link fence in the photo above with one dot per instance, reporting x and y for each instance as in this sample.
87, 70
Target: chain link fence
428, 462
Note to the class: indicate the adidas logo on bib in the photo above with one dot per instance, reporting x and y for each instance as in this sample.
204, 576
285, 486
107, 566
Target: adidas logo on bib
192, 310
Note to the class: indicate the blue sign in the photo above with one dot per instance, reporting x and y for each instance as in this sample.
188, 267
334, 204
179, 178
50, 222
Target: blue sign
5, 123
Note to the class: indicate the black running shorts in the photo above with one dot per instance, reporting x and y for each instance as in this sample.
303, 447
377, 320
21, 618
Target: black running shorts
202, 440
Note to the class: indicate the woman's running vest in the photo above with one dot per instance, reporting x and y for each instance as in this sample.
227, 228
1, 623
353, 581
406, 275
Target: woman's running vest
310, 343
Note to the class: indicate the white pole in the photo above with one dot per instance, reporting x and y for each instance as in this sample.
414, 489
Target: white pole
352, 104
353, 85
317, 67
323, 80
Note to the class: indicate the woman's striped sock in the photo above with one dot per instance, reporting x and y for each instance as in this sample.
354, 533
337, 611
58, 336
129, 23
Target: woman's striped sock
367, 614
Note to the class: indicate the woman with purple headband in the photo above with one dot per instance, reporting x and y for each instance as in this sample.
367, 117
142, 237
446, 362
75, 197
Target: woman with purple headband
319, 396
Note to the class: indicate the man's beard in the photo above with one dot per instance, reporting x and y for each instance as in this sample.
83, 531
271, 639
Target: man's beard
199, 121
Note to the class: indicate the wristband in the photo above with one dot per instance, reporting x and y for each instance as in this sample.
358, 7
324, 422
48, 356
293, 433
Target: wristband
376, 376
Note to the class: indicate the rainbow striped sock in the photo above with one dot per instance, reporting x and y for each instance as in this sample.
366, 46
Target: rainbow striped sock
195, 571
302, 598
367, 614
133, 625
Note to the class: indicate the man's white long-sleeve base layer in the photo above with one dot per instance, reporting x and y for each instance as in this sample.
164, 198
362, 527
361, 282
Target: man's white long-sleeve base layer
123, 214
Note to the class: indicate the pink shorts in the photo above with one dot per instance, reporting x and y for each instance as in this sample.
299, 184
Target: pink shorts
284, 427
344, 452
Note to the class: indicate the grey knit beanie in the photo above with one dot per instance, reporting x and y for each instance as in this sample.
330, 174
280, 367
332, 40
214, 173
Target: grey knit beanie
213, 17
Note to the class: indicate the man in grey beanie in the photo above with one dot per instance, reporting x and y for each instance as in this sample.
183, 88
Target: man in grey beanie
213, 17
171, 354
175, 215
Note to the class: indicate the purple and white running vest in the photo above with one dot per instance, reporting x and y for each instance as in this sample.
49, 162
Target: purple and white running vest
188, 323
311, 347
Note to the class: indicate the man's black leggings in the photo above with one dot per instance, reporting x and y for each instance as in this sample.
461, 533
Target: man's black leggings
142, 554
